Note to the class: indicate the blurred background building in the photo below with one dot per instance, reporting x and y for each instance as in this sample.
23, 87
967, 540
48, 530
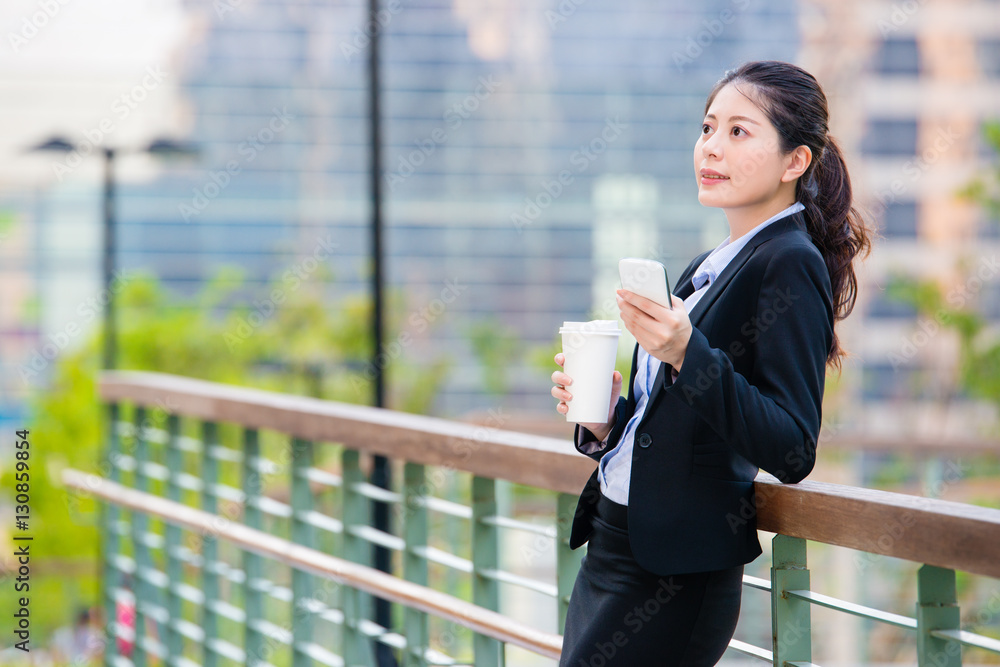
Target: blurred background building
528, 147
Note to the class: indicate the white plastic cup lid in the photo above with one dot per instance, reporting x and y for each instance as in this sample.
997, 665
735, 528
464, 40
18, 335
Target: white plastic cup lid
609, 327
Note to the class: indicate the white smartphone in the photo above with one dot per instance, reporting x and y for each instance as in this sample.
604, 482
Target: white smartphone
646, 277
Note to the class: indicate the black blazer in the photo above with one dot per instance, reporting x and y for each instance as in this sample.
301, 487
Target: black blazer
749, 395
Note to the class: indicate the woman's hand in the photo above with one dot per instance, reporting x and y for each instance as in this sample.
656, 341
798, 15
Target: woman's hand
662, 332
559, 391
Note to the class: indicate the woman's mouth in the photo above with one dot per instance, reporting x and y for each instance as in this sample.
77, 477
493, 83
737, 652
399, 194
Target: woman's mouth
709, 177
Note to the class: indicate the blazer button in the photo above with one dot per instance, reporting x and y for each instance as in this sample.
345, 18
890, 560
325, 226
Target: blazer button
645, 440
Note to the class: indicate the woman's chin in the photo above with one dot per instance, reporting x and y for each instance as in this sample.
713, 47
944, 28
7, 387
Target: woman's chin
709, 199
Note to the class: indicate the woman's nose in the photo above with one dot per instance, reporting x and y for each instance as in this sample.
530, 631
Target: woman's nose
711, 147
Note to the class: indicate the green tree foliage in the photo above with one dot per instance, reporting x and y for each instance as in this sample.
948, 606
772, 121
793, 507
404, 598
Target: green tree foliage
985, 190
496, 346
286, 337
978, 370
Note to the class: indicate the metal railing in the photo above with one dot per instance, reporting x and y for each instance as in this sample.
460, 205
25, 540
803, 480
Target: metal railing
193, 606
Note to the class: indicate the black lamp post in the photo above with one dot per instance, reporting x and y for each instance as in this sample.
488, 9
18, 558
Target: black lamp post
161, 147
381, 475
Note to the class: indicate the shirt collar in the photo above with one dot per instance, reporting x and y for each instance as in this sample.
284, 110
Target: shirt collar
718, 259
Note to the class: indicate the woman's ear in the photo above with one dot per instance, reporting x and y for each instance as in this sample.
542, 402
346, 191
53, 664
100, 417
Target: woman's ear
799, 161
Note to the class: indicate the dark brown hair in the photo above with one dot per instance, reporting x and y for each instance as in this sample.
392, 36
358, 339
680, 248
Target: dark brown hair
793, 101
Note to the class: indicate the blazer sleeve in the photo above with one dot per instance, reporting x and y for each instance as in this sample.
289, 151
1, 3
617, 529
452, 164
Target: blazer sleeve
587, 443
771, 418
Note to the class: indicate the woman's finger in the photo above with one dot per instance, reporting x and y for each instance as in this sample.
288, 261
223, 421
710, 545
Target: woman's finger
637, 301
561, 378
649, 326
561, 394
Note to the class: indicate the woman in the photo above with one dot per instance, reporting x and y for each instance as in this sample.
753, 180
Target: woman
729, 381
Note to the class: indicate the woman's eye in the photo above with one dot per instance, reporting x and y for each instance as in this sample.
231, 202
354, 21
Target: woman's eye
706, 128
738, 131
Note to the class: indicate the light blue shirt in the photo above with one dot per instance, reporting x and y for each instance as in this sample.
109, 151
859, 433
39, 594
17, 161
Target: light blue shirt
615, 469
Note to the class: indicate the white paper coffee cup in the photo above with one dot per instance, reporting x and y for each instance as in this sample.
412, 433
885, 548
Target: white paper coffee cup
590, 350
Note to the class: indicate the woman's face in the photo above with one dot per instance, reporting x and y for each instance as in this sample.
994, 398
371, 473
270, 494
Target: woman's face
737, 159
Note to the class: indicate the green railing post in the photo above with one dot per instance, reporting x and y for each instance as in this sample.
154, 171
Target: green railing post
302, 534
357, 650
415, 622
790, 617
253, 564
936, 610
209, 544
175, 566
453, 530
485, 558
110, 538
567, 560
140, 526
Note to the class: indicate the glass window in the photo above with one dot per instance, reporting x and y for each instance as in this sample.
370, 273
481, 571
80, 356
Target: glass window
895, 381
883, 305
897, 57
989, 301
989, 56
899, 219
989, 228
890, 137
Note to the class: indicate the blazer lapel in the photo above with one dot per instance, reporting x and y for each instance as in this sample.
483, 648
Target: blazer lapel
796, 221
719, 284
685, 286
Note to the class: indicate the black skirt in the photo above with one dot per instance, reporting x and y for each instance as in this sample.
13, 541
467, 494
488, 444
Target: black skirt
621, 615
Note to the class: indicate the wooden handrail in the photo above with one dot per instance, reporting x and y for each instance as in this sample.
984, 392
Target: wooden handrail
924, 530
361, 577
488, 452
937, 532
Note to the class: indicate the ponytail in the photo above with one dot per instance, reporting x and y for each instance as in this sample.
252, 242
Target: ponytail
836, 227
795, 104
